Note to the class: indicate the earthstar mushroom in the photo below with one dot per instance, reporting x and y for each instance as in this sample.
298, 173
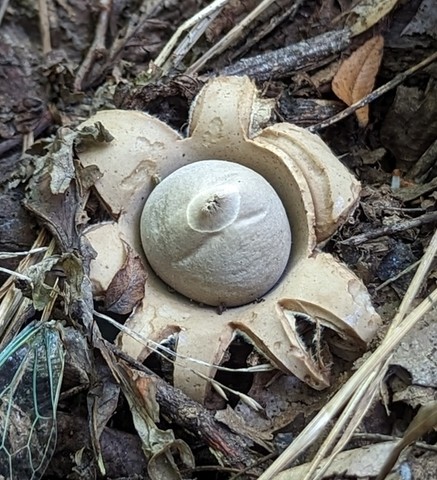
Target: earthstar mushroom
317, 193
216, 232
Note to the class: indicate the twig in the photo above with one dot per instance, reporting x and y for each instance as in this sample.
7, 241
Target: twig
229, 38
288, 14
136, 21
398, 79
44, 26
429, 217
188, 414
380, 437
97, 48
282, 62
399, 275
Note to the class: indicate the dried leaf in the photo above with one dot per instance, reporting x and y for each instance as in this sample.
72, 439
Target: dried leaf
92, 135
368, 12
162, 465
58, 213
356, 76
126, 289
57, 190
423, 422
87, 176
410, 126
60, 155
41, 291
60, 164
102, 400
78, 359
158, 445
424, 22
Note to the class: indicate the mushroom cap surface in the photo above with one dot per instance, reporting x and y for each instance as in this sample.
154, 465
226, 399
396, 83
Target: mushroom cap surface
216, 232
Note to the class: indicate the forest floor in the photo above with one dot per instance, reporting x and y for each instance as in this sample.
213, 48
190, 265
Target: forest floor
63, 61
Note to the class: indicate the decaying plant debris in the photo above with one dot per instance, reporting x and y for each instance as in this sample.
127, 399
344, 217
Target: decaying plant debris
126, 56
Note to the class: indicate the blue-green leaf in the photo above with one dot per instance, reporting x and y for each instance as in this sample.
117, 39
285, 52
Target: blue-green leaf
31, 369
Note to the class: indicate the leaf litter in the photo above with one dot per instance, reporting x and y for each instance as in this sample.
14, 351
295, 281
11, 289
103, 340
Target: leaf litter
356, 76
62, 218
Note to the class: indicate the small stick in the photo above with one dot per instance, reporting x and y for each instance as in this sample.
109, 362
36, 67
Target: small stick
398, 79
188, 414
288, 14
97, 47
429, 217
399, 275
44, 26
284, 61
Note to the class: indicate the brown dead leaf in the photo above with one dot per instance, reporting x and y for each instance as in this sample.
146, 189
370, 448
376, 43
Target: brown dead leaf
102, 401
159, 446
126, 289
356, 76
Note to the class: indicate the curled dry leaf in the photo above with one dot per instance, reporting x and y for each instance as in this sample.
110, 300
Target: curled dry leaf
356, 76
317, 192
358, 463
126, 289
368, 12
160, 446
58, 189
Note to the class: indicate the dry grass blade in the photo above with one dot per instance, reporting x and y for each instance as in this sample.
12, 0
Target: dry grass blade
416, 283
38, 246
229, 38
4, 255
13, 304
212, 9
402, 324
3, 8
172, 356
347, 423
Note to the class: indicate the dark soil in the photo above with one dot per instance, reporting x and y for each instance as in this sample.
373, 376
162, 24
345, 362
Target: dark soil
100, 55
